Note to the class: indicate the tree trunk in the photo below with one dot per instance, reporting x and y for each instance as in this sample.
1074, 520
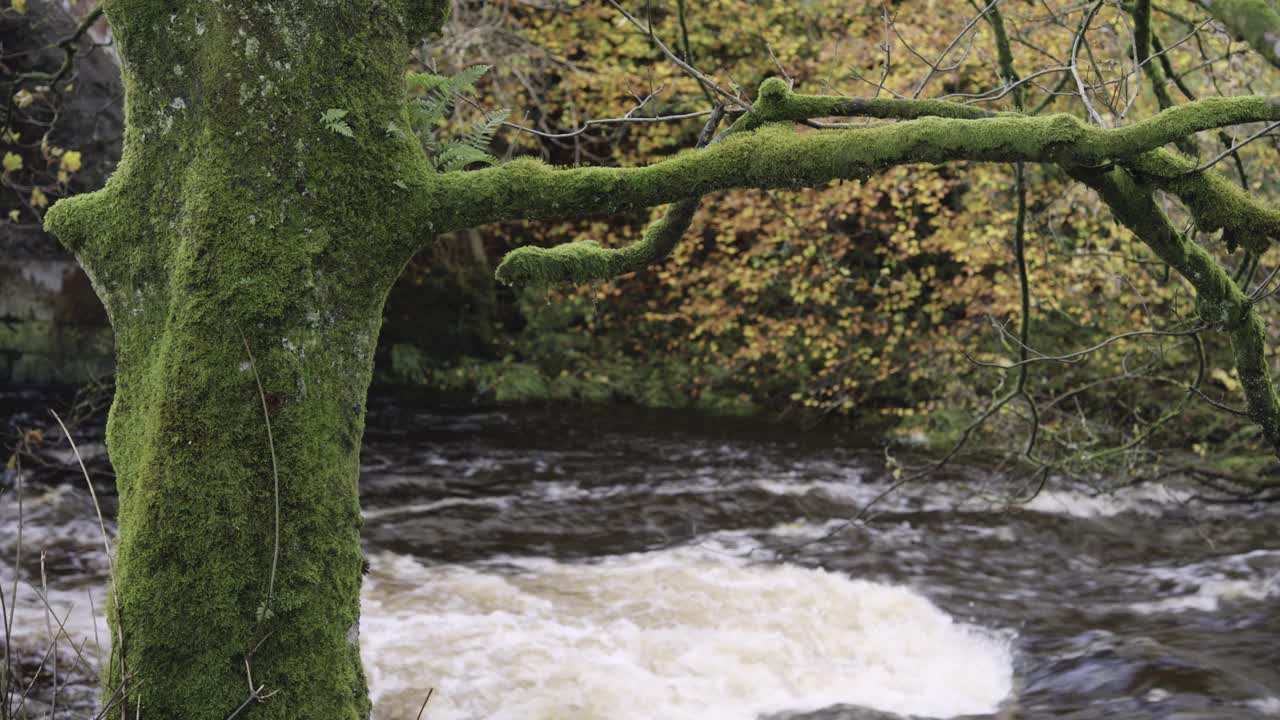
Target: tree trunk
245, 239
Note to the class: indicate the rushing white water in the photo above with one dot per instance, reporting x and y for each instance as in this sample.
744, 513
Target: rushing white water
1204, 587
1149, 499
684, 634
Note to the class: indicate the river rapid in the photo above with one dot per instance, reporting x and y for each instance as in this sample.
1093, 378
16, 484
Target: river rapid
572, 563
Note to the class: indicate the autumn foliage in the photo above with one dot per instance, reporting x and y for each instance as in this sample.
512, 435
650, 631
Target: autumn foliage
881, 300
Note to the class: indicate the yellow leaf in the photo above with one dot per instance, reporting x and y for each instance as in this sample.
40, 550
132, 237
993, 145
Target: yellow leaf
12, 162
71, 161
38, 198
23, 98
14, 215
20, 6
1224, 378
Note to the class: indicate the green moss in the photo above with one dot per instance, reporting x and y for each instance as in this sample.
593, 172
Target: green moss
1214, 202
586, 261
575, 262
520, 384
235, 217
774, 155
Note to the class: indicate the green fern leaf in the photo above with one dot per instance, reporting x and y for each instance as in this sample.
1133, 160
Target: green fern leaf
456, 156
481, 132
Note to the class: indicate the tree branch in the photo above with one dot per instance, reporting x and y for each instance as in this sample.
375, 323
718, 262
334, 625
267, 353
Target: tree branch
70, 47
1215, 202
585, 261
1221, 302
777, 156
1257, 21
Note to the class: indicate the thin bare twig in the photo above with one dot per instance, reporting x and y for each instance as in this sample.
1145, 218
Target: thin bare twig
1075, 67
275, 472
691, 70
607, 121
106, 546
1231, 150
424, 703
933, 67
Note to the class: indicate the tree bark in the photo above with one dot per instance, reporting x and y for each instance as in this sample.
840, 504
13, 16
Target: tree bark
240, 225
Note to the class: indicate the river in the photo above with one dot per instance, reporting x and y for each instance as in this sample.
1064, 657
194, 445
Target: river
569, 563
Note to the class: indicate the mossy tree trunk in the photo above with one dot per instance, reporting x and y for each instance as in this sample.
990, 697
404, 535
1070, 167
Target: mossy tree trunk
243, 239
239, 225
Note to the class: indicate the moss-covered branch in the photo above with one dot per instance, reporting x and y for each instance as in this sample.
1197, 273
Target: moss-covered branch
1004, 53
585, 261
777, 156
1143, 39
775, 103
1215, 202
1221, 302
1257, 21
1123, 165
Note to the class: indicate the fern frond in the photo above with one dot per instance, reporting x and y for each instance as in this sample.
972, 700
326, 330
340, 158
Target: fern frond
464, 83
424, 83
457, 156
439, 93
436, 96
481, 132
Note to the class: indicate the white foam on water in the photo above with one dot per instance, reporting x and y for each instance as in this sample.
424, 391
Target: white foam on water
851, 491
682, 634
1267, 706
1204, 586
1150, 500
434, 505
57, 524
71, 621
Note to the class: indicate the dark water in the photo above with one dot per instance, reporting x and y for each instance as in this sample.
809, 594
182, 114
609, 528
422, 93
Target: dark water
589, 563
